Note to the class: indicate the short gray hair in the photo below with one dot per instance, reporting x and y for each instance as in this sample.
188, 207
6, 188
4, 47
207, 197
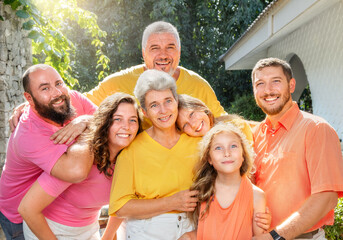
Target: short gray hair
154, 80
159, 27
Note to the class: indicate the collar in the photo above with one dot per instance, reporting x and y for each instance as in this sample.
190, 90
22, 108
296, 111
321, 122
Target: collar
286, 121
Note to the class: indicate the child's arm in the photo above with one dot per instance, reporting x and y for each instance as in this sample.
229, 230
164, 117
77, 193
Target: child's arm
259, 207
263, 219
189, 235
111, 228
31, 207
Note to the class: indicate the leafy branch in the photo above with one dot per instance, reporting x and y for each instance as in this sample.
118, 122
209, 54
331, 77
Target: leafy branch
49, 44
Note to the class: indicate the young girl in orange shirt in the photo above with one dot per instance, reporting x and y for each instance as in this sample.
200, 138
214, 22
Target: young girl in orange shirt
227, 198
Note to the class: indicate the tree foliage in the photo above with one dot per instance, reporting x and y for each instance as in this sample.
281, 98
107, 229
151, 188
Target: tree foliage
49, 44
67, 33
207, 29
245, 106
67, 37
305, 100
335, 232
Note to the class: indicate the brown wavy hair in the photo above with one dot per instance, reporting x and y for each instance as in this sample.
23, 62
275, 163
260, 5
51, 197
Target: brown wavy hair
205, 174
195, 104
99, 129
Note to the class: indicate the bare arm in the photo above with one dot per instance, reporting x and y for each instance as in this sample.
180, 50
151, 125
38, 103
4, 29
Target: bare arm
74, 165
31, 207
183, 201
259, 207
314, 209
111, 228
72, 130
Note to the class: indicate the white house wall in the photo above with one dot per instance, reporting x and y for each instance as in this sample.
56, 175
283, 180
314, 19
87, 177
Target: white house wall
319, 45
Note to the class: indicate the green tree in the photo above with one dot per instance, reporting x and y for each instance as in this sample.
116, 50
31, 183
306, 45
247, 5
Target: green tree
305, 100
335, 232
216, 25
67, 36
207, 29
49, 44
246, 107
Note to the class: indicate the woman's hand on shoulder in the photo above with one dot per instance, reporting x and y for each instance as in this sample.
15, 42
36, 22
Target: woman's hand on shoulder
72, 130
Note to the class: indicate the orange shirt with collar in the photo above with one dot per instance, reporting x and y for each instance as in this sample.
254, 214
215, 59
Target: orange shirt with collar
300, 157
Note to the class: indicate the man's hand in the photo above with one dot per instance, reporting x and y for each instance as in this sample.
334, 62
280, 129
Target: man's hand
71, 131
17, 111
184, 201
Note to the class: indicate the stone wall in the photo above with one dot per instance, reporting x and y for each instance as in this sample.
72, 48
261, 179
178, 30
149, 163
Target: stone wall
15, 58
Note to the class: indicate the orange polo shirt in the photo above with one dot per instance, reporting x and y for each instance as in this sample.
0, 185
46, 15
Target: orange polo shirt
300, 157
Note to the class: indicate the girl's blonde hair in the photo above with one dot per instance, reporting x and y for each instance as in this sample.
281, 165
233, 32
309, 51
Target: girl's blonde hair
205, 174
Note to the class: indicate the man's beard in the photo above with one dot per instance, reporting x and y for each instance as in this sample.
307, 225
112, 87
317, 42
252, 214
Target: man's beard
274, 110
58, 115
171, 70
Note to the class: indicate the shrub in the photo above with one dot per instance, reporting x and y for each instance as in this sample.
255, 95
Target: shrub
335, 232
246, 107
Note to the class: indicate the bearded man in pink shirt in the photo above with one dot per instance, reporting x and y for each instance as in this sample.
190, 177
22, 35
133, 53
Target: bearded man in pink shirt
299, 161
30, 152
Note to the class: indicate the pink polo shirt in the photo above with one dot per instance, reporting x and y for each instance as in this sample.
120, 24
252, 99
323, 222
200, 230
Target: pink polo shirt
30, 152
300, 157
76, 205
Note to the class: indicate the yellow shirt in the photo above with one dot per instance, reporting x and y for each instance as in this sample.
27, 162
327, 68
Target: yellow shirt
188, 83
147, 170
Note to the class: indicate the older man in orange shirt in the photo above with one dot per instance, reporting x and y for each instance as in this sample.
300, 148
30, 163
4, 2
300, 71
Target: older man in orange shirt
299, 161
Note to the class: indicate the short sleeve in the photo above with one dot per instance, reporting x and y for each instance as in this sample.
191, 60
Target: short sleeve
44, 153
324, 159
208, 96
105, 88
123, 187
51, 185
82, 104
194, 85
211, 101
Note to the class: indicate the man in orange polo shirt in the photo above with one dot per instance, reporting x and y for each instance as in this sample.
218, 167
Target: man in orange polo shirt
299, 161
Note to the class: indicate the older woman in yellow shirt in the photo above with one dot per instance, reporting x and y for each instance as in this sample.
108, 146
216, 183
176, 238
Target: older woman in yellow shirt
153, 175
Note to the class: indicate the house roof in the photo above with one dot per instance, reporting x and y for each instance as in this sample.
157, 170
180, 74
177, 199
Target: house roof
279, 18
